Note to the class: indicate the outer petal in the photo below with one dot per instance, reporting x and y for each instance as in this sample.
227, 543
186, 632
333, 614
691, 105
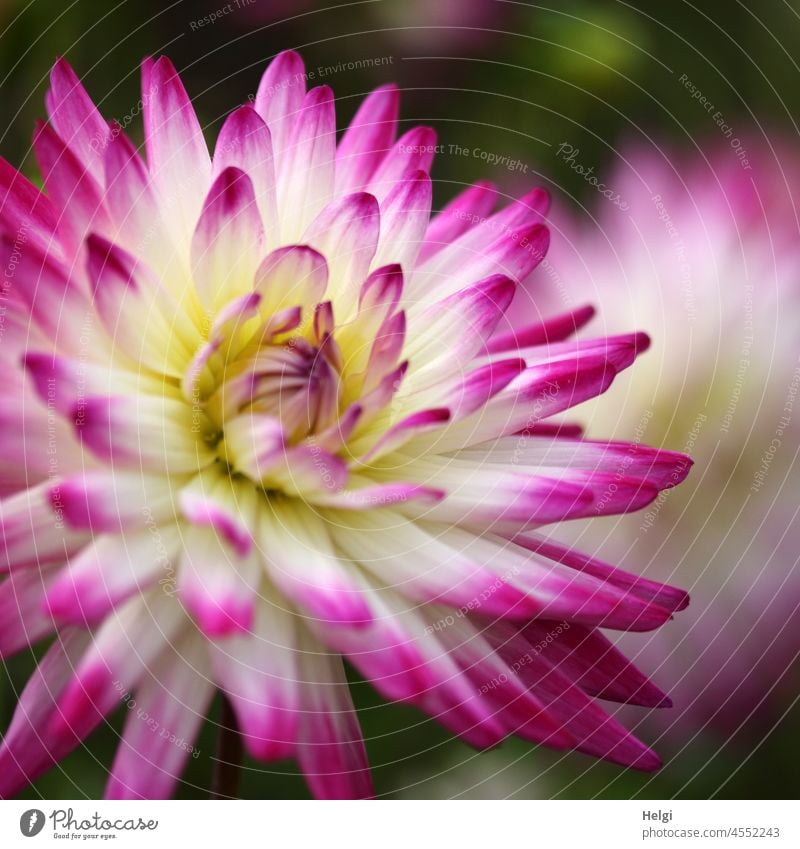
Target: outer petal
412, 152
76, 194
331, 753
280, 96
135, 209
159, 435
32, 531
141, 317
305, 176
466, 210
29, 748
404, 220
509, 222
216, 584
120, 652
302, 563
112, 501
245, 142
228, 242
23, 620
177, 155
76, 118
595, 664
21, 201
468, 319
514, 254
258, 672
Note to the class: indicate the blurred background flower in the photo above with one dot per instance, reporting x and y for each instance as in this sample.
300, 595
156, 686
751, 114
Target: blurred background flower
703, 249
652, 98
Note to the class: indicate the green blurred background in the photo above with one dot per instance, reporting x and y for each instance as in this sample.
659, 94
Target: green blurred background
516, 79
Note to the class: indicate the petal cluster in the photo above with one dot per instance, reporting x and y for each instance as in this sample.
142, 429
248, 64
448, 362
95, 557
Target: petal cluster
263, 413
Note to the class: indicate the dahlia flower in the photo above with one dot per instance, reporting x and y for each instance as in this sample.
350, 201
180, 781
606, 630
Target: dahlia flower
708, 253
262, 415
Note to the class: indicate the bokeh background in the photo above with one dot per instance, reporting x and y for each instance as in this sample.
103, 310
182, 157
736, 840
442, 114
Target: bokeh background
565, 95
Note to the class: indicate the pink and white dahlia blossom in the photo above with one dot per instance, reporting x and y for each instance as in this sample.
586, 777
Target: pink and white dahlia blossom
262, 415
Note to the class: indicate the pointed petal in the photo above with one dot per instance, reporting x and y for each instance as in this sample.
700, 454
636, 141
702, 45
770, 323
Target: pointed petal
76, 118
306, 172
228, 241
280, 96
296, 274
258, 672
346, 234
331, 752
177, 155
245, 143
302, 563
169, 710
137, 312
404, 220
367, 140
466, 210
412, 152
29, 749
109, 571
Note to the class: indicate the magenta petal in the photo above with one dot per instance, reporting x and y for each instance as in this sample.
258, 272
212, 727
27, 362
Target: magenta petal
203, 510
122, 648
76, 194
346, 232
405, 430
412, 152
177, 155
382, 290
258, 673
482, 384
32, 532
465, 211
244, 142
280, 95
105, 573
28, 749
228, 240
23, 618
296, 274
162, 724
111, 501
306, 171
47, 292
303, 564
141, 433
667, 597
595, 664
544, 332
134, 206
367, 140
594, 730
404, 219
21, 201
331, 752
